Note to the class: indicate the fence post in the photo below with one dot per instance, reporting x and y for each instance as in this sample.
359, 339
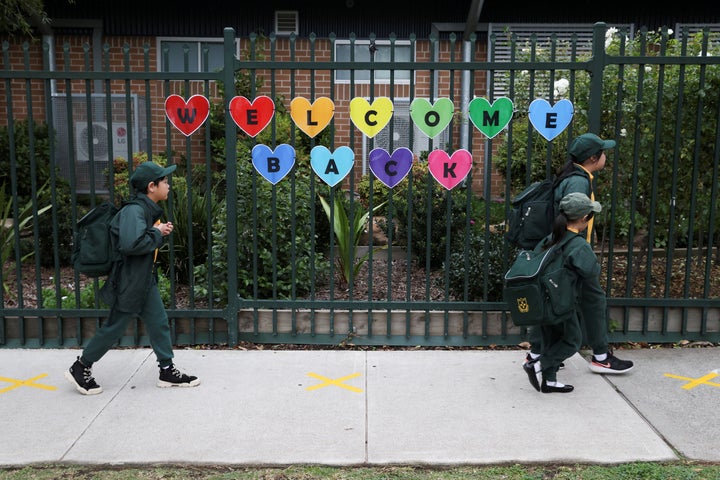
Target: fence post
228, 75
596, 67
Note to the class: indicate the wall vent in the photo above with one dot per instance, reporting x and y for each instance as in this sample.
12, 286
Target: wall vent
286, 22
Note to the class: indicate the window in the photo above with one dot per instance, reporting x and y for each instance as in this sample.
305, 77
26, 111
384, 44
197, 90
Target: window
192, 50
382, 53
500, 43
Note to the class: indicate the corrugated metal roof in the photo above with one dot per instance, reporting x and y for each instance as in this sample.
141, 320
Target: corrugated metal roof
185, 18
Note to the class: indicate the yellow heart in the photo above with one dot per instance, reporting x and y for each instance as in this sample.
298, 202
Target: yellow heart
370, 119
312, 118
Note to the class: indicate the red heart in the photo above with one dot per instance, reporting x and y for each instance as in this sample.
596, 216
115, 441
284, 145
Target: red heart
252, 117
187, 116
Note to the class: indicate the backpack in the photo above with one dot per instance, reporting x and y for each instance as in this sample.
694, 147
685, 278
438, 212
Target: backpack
93, 252
532, 213
538, 288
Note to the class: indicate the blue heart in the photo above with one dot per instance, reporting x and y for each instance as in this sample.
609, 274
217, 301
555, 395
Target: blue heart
549, 120
273, 165
332, 167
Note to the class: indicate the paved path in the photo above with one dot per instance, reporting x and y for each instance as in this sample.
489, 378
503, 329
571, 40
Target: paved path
358, 408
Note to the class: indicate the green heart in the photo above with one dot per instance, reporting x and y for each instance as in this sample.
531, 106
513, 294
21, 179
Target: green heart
490, 119
431, 119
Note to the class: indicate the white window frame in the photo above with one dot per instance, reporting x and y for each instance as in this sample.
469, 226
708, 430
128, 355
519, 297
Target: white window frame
193, 42
365, 44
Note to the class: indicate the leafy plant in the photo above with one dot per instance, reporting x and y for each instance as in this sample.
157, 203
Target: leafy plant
348, 236
7, 234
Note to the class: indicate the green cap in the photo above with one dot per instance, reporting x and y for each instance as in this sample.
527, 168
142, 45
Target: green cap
146, 172
587, 145
576, 205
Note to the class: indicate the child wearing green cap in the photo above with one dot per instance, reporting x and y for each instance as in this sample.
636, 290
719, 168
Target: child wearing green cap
586, 156
131, 288
562, 339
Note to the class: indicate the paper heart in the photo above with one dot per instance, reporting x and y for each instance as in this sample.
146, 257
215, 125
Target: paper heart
187, 116
332, 167
489, 118
273, 165
312, 118
371, 118
252, 117
449, 170
432, 119
390, 169
549, 120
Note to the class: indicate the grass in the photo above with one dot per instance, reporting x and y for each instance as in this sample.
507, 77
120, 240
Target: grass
630, 471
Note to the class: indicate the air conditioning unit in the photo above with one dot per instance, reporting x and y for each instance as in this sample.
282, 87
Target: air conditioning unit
94, 141
94, 130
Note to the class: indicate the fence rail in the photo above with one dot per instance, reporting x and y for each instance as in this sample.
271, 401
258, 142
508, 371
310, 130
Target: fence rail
256, 261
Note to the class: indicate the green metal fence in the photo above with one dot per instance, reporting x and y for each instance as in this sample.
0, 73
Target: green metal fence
254, 261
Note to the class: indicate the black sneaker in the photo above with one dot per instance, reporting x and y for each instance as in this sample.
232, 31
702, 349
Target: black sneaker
172, 377
611, 364
81, 376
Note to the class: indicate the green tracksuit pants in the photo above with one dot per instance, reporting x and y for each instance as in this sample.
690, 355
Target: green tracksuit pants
559, 342
593, 320
157, 326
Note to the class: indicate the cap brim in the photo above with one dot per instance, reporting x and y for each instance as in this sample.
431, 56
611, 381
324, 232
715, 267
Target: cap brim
596, 207
168, 170
608, 144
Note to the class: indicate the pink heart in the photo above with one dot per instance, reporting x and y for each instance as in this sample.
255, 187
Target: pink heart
252, 117
449, 170
187, 116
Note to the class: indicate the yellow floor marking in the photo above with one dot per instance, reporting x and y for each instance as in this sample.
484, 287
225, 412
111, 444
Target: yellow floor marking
30, 382
694, 382
338, 382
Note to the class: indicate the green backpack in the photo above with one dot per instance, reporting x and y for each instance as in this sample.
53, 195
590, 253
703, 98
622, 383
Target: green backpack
539, 289
93, 252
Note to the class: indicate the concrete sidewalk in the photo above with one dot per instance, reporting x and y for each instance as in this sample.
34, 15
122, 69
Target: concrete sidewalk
358, 408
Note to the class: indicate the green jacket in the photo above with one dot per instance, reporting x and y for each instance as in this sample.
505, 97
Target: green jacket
135, 240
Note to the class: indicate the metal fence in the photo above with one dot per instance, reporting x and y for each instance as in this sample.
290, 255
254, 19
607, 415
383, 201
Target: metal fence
251, 260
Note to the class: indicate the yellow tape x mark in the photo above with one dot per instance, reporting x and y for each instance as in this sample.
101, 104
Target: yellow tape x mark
694, 382
30, 382
338, 382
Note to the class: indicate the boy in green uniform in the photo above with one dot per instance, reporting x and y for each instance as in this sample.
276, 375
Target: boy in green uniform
131, 288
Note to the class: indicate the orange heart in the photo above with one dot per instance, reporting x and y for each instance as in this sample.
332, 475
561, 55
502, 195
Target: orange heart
312, 118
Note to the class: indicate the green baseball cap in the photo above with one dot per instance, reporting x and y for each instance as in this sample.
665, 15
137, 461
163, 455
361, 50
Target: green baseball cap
146, 172
576, 205
587, 145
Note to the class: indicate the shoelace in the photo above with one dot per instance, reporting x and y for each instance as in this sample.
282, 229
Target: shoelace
87, 375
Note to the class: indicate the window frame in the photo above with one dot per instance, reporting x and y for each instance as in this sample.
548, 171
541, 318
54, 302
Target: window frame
366, 45
196, 42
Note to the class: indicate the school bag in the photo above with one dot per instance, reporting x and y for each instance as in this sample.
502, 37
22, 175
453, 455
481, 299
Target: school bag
538, 288
532, 213
93, 252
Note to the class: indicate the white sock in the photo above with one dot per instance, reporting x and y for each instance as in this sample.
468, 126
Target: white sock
601, 358
554, 384
534, 356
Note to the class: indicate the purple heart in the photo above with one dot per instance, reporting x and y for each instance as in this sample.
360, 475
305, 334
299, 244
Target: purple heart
390, 169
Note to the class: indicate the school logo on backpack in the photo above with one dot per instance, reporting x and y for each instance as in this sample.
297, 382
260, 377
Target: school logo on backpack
538, 289
92, 247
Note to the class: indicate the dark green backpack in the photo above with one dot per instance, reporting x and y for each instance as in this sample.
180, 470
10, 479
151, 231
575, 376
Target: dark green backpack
539, 289
93, 252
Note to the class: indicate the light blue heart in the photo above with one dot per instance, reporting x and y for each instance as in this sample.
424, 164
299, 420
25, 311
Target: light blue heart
549, 120
273, 165
332, 167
